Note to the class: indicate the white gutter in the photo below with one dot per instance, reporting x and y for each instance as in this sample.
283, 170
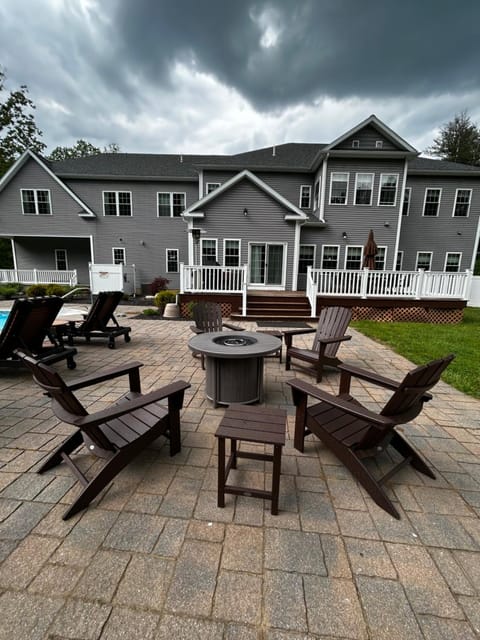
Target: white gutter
321, 212
400, 215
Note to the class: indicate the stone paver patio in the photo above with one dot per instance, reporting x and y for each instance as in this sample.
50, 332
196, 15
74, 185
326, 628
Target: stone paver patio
154, 558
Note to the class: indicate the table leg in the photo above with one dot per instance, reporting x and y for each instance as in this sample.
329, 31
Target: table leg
277, 463
221, 472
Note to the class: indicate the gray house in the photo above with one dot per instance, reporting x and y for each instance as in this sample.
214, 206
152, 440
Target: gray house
276, 210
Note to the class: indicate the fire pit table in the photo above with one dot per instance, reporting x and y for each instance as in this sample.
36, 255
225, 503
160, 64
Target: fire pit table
234, 364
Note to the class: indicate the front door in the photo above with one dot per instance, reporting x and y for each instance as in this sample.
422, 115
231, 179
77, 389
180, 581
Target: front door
267, 266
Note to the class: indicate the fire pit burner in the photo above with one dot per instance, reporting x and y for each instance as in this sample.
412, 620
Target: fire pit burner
234, 341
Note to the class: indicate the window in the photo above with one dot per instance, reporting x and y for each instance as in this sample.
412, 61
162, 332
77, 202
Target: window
329, 257
119, 256
452, 262
170, 205
211, 186
231, 253
399, 263
306, 258
316, 195
117, 203
36, 202
172, 260
363, 188
432, 202
61, 260
305, 196
388, 189
353, 258
406, 201
378, 144
380, 258
338, 188
462, 202
424, 260
209, 252
355, 144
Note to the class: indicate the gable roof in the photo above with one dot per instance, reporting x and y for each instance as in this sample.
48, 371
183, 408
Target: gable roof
431, 166
192, 210
30, 155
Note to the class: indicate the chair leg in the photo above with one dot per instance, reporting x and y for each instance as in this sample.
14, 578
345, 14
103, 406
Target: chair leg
319, 369
407, 451
67, 447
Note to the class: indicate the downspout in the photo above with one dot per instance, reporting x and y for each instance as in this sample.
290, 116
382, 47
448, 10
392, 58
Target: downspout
200, 184
400, 215
475, 246
92, 250
14, 254
321, 212
296, 255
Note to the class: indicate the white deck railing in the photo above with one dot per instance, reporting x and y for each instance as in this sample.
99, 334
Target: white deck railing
202, 279
39, 276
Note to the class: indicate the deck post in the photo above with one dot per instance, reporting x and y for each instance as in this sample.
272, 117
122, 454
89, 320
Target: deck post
364, 283
421, 277
182, 278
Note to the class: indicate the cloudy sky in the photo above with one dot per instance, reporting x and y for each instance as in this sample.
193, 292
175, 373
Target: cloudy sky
224, 76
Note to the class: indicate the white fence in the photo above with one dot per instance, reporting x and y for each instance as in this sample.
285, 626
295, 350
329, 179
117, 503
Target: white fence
202, 279
474, 298
39, 276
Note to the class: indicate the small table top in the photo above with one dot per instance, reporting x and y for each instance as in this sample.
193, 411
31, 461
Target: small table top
253, 424
257, 344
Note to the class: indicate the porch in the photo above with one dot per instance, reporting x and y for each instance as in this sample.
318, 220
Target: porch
39, 276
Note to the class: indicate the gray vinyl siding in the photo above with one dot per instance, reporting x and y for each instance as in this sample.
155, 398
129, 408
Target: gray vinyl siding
444, 233
368, 137
30, 255
265, 222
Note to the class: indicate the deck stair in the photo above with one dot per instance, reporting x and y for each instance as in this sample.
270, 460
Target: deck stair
278, 305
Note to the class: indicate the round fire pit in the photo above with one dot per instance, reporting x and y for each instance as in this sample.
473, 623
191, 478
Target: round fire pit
234, 364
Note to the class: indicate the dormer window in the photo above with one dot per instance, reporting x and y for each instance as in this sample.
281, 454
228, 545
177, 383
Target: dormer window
355, 144
36, 202
378, 144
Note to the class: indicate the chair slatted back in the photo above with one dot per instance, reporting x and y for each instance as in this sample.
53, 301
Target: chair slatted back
15, 320
102, 310
208, 316
332, 322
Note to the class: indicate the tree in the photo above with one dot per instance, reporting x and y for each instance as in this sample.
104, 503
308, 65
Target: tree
18, 130
81, 149
458, 141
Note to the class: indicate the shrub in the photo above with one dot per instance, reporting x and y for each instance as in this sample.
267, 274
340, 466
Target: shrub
56, 290
159, 284
36, 290
164, 297
10, 290
150, 312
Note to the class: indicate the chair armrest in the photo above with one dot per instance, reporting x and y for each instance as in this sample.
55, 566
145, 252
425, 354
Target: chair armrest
334, 339
128, 406
232, 327
351, 408
130, 369
288, 335
347, 371
196, 329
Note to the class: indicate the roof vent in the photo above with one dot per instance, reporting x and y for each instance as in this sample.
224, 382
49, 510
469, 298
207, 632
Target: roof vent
273, 151
181, 158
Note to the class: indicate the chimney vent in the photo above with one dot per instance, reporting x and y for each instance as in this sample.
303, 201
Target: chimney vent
273, 151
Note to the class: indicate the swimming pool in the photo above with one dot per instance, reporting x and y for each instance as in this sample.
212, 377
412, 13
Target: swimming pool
73, 313
3, 318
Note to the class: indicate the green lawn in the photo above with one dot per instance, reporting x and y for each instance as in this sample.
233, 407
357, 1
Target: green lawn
423, 342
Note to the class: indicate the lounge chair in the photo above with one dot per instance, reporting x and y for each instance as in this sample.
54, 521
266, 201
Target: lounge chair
96, 323
208, 318
118, 433
28, 327
354, 433
330, 332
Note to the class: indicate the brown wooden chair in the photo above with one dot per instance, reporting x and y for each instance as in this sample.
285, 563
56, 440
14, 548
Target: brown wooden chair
96, 323
208, 318
29, 327
330, 332
354, 433
118, 433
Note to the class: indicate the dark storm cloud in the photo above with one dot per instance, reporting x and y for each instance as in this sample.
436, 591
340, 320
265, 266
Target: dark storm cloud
339, 48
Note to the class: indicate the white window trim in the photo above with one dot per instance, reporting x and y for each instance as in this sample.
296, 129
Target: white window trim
380, 190
355, 144
455, 203
117, 203
239, 249
35, 191
337, 247
211, 184
339, 204
171, 194
455, 253
362, 173
353, 246
401, 254
378, 144
316, 204
309, 244
409, 189
384, 256
166, 260
56, 259
427, 189
124, 255
202, 240
430, 253
309, 188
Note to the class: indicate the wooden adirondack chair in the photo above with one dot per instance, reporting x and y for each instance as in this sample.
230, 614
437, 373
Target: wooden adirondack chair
118, 433
96, 323
330, 332
29, 327
354, 433
208, 318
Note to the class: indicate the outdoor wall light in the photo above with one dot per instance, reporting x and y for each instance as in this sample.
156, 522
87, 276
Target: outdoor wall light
196, 234
459, 233
142, 242
245, 212
386, 223
344, 235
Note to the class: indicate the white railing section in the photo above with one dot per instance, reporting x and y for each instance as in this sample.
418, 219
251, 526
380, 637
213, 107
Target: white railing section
311, 292
39, 276
203, 279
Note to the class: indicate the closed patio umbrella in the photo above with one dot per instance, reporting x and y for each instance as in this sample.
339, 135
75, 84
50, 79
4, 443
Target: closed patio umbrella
369, 252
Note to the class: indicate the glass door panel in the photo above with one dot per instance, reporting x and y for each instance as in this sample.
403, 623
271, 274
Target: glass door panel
274, 264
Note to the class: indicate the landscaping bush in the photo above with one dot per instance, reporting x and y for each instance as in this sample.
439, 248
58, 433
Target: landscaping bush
9, 291
36, 290
164, 297
159, 284
150, 312
56, 290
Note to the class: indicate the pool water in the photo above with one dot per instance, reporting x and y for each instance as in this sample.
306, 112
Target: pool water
3, 318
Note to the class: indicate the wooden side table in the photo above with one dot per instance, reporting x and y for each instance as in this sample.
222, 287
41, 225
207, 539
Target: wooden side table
252, 424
